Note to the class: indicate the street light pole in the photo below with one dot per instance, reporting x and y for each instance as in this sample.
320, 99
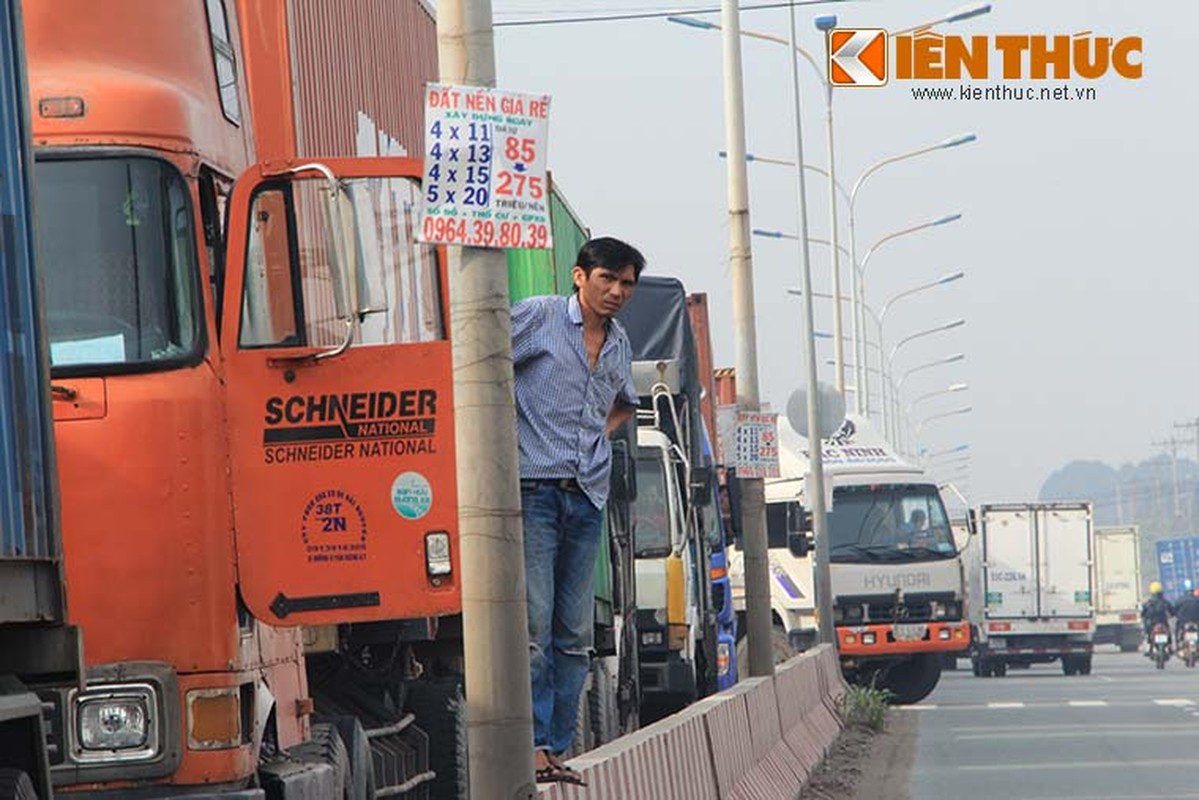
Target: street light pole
942, 415
858, 323
753, 498
824, 589
918, 335
495, 631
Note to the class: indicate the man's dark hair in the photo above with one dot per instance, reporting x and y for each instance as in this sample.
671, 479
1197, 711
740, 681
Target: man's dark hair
611, 254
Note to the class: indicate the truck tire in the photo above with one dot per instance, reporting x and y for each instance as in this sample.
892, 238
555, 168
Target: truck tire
358, 749
1084, 665
603, 704
325, 746
913, 680
440, 709
15, 784
780, 644
1069, 667
976, 666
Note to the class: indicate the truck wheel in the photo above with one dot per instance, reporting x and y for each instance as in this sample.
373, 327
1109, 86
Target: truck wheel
602, 703
440, 710
358, 748
325, 746
1084, 665
976, 667
780, 645
15, 784
1000, 669
913, 680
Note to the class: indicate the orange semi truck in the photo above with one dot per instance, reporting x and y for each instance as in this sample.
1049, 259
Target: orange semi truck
252, 401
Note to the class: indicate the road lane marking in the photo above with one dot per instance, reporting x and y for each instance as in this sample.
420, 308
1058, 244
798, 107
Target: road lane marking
1123, 764
924, 707
1005, 705
1088, 703
1175, 702
1111, 728
1033, 733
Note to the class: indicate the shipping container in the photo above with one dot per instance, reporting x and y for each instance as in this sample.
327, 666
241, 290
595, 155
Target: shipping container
338, 79
1178, 566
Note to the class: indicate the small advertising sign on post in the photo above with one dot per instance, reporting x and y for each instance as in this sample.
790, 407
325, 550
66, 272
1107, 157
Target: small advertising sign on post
485, 181
757, 445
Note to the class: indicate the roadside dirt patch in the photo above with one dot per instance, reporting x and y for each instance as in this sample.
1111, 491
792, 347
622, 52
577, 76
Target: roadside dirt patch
864, 765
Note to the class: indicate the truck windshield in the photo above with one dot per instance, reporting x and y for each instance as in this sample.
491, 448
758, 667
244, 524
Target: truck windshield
651, 510
889, 523
117, 252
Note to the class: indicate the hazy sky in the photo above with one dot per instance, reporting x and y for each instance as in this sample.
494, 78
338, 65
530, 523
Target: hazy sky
1080, 287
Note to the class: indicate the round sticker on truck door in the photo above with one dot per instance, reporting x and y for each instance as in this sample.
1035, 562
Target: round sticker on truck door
411, 495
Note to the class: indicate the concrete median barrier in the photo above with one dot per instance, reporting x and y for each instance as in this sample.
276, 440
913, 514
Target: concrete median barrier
758, 740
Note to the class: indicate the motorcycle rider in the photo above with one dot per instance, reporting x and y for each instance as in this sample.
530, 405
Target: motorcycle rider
1154, 610
1186, 611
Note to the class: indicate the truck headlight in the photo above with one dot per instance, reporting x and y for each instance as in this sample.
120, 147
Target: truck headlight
115, 723
950, 610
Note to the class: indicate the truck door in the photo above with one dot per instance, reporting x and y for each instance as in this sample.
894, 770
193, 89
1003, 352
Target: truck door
339, 397
1065, 542
1009, 554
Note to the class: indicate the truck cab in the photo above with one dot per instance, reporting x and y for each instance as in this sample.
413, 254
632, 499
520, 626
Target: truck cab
896, 574
667, 568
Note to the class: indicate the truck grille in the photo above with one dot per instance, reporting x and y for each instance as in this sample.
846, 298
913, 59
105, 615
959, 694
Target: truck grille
867, 609
53, 722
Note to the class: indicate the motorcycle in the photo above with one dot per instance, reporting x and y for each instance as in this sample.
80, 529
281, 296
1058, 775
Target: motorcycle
1159, 645
1189, 643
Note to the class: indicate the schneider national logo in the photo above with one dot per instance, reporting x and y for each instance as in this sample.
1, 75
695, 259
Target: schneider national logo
320, 427
860, 56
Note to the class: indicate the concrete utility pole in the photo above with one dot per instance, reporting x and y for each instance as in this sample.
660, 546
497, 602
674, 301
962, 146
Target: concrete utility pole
824, 588
1193, 427
1171, 445
494, 611
753, 498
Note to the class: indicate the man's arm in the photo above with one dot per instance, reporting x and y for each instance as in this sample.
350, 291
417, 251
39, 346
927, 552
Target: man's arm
526, 317
627, 400
620, 414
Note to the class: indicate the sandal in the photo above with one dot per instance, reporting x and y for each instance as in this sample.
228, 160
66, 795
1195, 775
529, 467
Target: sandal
552, 773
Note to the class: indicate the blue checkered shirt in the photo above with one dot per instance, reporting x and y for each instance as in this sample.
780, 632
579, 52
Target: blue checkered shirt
562, 404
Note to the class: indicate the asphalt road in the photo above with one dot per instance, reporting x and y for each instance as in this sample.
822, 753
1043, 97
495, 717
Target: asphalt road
1126, 731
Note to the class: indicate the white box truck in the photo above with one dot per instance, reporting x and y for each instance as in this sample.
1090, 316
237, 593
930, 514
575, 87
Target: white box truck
1038, 587
1117, 587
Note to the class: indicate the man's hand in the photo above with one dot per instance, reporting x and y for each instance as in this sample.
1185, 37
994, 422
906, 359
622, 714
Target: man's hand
618, 416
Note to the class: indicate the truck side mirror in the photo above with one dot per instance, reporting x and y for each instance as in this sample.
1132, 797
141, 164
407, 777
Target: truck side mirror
624, 477
701, 485
799, 544
734, 489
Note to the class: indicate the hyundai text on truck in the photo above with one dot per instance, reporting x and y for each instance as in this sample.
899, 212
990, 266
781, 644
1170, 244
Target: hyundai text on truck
1037, 587
1118, 587
897, 583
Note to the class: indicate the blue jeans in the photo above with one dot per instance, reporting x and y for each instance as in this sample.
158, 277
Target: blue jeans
561, 535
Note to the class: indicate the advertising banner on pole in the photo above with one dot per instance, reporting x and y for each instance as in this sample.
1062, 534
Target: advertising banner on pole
485, 181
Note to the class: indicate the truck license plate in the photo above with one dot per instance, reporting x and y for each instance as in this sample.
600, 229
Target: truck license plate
910, 633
